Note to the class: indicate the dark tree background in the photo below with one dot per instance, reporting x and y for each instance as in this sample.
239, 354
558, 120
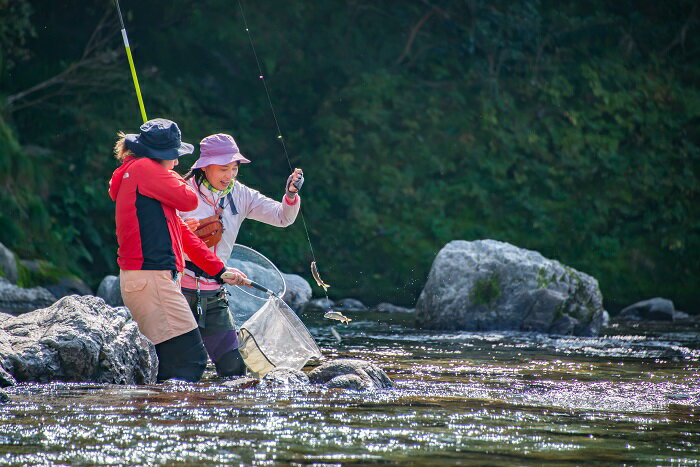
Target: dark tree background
571, 128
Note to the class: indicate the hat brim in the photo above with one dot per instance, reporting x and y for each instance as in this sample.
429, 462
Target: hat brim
223, 159
134, 143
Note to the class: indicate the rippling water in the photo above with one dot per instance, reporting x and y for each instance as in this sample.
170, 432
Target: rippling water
461, 398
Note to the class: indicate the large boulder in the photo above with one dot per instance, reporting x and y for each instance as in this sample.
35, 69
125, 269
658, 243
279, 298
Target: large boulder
8, 264
76, 339
298, 291
348, 373
489, 285
656, 309
16, 300
110, 291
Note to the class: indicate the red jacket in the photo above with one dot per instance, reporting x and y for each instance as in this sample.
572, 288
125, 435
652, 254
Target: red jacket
150, 233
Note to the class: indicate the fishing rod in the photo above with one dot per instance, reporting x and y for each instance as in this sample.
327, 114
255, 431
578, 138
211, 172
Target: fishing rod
261, 76
131, 64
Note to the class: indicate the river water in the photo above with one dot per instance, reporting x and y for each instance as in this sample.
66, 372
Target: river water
631, 397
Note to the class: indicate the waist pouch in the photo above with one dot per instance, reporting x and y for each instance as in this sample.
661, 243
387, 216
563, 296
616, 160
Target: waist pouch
210, 230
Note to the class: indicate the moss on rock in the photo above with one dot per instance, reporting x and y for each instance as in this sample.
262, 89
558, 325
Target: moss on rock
486, 291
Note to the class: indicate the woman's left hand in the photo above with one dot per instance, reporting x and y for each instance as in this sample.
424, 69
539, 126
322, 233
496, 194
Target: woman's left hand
294, 183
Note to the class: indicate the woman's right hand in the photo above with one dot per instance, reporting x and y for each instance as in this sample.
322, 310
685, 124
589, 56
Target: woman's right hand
192, 223
233, 276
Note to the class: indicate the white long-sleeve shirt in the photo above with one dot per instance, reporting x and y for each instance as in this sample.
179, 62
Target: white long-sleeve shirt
249, 204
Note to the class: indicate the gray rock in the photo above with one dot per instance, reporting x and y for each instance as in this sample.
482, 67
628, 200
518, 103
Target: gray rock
4, 397
489, 285
389, 308
286, 377
8, 264
298, 291
317, 305
110, 292
654, 309
16, 300
349, 304
68, 286
77, 339
680, 316
351, 374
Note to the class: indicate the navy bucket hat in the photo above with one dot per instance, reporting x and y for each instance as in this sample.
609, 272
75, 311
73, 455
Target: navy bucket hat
159, 139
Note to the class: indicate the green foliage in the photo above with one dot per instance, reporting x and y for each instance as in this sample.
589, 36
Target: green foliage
563, 127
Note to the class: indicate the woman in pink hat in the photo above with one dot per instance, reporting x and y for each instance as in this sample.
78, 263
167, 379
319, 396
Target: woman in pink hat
224, 203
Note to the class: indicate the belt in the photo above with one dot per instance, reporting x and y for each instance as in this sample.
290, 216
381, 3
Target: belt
198, 272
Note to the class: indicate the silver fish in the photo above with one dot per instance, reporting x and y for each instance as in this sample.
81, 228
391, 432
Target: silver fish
337, 315
317, 276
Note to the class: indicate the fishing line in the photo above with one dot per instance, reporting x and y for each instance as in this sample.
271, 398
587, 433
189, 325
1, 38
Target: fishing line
131, 64
261, 76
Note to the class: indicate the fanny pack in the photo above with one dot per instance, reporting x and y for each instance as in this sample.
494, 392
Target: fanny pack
211, 228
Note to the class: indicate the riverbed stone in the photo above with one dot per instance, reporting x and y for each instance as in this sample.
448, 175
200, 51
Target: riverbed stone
17, 300
298, 291
349, 305
654, 309
318, 305
8, 264
77, 339
110, 292
286, 377
348, 373
390, 308
489, 285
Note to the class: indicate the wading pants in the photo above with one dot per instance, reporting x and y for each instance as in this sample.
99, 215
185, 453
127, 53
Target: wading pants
218, 330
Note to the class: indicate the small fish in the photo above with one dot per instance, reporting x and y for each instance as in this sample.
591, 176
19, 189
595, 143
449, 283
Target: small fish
317, 276
336, 335
337, 315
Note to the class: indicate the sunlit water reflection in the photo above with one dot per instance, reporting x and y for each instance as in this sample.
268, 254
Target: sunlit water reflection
461, 398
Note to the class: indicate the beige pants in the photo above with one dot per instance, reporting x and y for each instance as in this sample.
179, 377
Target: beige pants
156, 304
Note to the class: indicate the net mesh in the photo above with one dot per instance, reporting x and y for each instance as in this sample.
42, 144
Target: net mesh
275, 337
244, 301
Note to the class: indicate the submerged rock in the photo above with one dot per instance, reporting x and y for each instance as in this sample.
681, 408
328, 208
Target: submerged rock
298, 291
489, 285
77, 339
110, 292
655, 309
350, 305
389, 308
318, 305
351, 374
286, 377
17, 300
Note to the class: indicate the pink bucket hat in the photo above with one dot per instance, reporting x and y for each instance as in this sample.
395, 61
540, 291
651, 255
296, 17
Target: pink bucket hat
219, 149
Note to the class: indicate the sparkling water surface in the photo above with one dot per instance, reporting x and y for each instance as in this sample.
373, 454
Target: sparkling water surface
498, 398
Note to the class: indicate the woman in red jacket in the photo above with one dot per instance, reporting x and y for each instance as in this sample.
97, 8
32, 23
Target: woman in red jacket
152, 239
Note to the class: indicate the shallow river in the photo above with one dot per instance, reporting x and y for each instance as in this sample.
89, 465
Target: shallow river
632, 397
